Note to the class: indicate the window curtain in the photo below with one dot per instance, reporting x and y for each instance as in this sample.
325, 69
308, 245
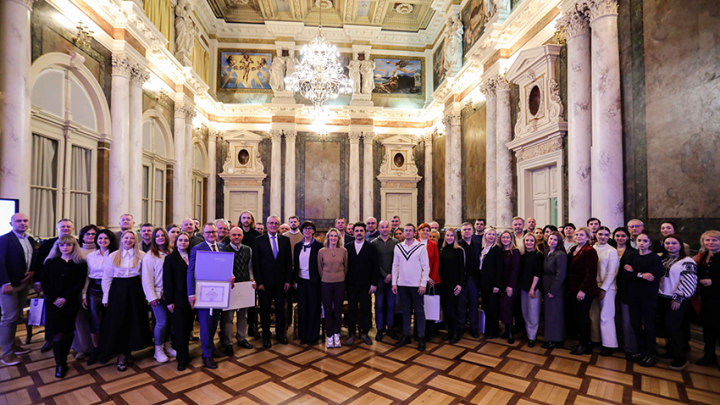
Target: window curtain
160, 13
80, 185
43, 190
201, 61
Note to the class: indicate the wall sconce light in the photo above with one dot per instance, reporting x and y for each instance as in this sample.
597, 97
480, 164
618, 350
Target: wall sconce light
83, 39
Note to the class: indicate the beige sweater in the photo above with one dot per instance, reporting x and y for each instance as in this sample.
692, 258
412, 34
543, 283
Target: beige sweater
332, 264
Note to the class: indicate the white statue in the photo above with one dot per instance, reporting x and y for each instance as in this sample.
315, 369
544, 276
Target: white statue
354, 68
367, 69
290, 63
277, 74
490, 9
453, 43
184, 38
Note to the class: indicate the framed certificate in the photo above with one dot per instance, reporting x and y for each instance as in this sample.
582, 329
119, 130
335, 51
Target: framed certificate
213, 266
242, 295
212, 294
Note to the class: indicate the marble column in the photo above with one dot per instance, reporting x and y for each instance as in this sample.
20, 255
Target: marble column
453, 173
368, 175
577, 30
504, 131
15, 132
428, 177
488, 89
190, 152
276, 174
138, 76
290, 136
354, 192
120, 148
607, 150
180, 200
212, 175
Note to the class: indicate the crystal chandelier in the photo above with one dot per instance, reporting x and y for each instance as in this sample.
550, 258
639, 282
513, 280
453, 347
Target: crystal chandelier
319, 76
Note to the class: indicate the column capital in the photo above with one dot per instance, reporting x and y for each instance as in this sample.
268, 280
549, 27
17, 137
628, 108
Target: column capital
595, 9
290, 135
501, 84
189, 113
354, 137
368, 138
275, 135
121, 65
138, 75
574, 23
453, 119
26, 3
487, 88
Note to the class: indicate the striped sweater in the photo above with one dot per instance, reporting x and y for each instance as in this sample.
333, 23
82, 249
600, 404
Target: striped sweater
411, 266
680, 278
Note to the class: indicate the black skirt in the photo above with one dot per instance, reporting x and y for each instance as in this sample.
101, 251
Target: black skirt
126, 326
60, 320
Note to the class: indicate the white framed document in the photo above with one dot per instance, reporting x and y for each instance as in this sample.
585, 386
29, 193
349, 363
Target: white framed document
212, 294
242, 296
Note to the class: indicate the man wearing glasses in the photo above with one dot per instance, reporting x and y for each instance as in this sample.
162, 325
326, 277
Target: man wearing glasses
636, 226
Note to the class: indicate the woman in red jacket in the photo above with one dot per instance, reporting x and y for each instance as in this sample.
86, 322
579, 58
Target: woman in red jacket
582, 286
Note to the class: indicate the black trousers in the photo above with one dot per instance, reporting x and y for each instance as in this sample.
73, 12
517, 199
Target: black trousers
709, 317
182, 321
643, 307
276, 294
581, 316
449, 302
490, 306
308, 298
358, 295
671, 323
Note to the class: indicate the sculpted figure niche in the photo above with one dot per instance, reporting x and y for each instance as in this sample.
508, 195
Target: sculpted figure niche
277, 73
184, 38
453, 43
354, 68
367, 69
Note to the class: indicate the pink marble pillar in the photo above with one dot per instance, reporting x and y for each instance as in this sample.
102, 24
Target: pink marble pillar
577, 30
276, 170
368, 175
120, 148
505, 193
607, 150
290, 136
15, 132
354, 192
428, 177
488, 89
180, 199
138, 76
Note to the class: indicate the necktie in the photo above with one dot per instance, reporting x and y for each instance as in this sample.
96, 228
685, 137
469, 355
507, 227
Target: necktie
214, 248
274, 246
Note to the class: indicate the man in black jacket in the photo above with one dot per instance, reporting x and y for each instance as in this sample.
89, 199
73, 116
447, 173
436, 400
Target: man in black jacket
16, 253
188, 225
360, 282
272, 268
471, 293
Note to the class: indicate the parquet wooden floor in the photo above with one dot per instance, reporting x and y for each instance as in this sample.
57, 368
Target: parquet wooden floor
475, 371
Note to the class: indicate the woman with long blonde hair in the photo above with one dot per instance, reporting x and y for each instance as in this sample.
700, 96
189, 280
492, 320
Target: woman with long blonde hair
126, 325
332, 266
452, 272
510, 271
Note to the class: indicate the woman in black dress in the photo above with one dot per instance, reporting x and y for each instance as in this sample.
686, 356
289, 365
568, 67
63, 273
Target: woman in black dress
491, 258
62, 281
452, 273
709, 286
623, 326
307, 284
176, 298
554, 271
530, 282
509, 292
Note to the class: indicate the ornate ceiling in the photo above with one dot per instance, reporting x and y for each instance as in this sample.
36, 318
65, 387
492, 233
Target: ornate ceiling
405, 15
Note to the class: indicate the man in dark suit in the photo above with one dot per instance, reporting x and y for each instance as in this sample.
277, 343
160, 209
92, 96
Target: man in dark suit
127, 222
360, 282
16, 253
272, 267
188, 225
471, 293
208, 322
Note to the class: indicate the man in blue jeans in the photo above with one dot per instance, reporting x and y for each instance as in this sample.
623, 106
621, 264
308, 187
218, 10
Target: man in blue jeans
470, 294
384, 297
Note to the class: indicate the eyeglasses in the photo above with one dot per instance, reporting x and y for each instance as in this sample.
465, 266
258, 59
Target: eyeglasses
209, 232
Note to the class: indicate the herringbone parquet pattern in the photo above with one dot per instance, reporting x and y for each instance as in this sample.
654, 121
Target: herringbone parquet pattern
473, 371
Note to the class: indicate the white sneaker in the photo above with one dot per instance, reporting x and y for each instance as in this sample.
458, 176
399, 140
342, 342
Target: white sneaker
160, 355
336, 340
330, 342
169, 350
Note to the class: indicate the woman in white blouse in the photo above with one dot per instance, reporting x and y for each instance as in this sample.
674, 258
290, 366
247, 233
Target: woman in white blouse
602, 311
126, 325
152, 282
92, 294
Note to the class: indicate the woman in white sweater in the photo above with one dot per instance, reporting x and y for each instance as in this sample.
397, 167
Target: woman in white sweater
152, 282
602, 311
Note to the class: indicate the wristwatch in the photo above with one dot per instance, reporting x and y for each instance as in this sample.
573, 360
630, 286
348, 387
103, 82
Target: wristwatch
640, 275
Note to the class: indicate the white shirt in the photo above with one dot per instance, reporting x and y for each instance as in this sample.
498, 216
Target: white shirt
152, 276
217, 248
305, 263
277, 243
411, 265
27, 249
95, 262
358, 246
608, 265
126, 269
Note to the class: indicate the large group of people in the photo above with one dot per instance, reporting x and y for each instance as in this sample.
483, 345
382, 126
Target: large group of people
108, 294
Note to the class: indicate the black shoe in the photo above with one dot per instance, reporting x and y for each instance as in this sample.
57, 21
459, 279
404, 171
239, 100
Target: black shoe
574, 347
209, 362
552, 345
421, 344
511, 339
648, 361
391, 333
474, 333
46, 347
531, 343
489, 336
634, 356
181, 367
402, 342
379, 336
448, 336
679, 364
245, 344
454, 338
93, 357
283, 341
707, 360
580, 350
667, 356
303, 341
229, 350
60, 371
606, 351
266, 343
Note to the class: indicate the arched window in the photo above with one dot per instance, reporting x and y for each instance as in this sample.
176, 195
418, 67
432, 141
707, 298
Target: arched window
69, 117
157, 155
200, 173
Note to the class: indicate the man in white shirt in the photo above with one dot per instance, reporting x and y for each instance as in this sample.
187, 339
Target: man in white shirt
410, 272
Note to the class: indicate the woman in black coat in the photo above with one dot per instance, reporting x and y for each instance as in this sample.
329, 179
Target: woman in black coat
452, 274
63, 279
491, 272
176, 297
530, 283
554, 271
307, 284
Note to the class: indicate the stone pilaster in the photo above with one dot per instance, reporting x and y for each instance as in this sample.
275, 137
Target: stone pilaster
120, 147
138, 76
504, 131
181, 167
212, 174
354, 192
453, 173
428, 177
368, 175
275, 170
190, 204
290, 136
488, 89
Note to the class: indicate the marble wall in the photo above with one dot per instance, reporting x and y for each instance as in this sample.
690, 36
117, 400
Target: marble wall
473, 168
439, 179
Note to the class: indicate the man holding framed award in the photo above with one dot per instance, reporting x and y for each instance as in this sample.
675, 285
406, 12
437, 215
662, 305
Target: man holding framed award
209, 281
